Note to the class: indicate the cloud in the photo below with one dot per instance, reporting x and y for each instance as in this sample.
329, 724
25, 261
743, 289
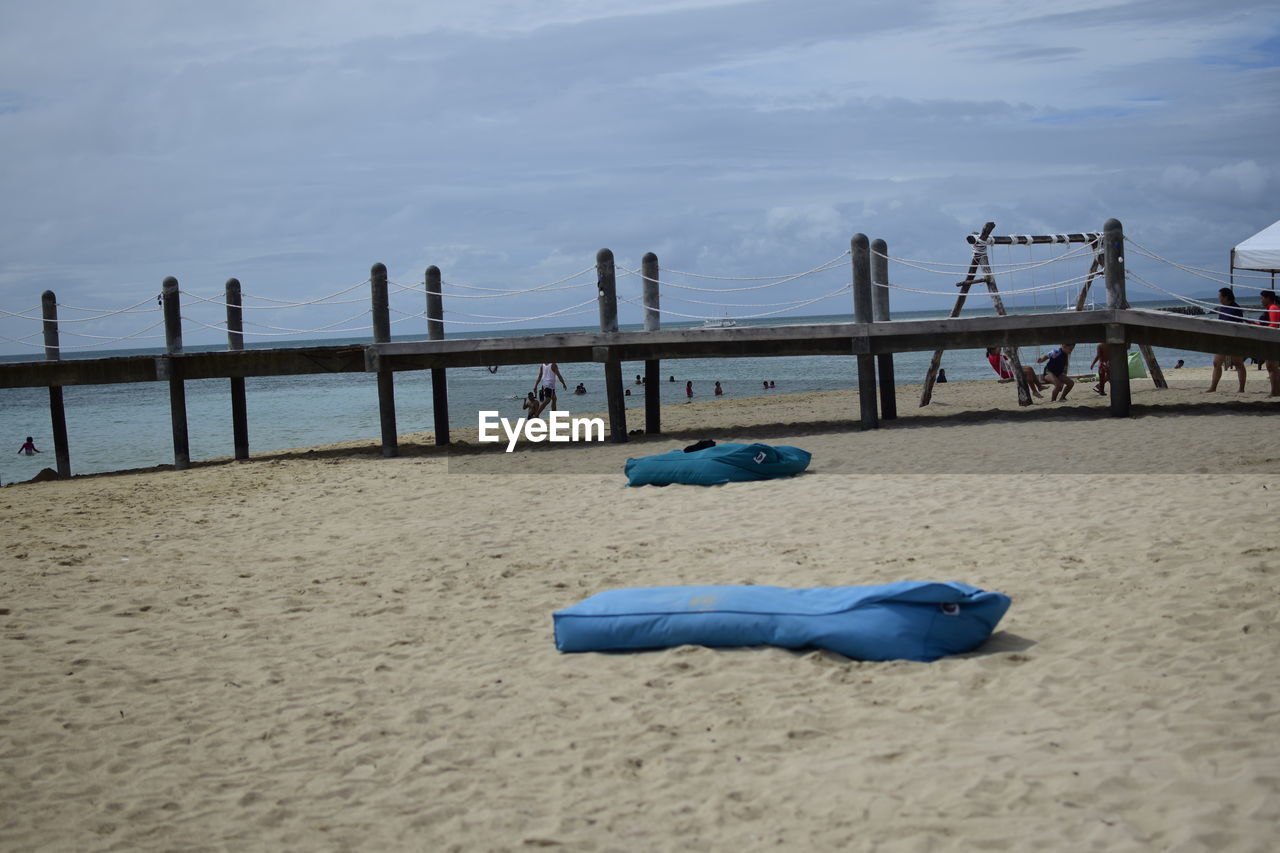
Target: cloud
292, 145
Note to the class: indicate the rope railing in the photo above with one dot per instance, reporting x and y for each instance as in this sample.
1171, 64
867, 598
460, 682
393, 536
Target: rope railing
796, 302
1039, 288
673, 291
492, 319
1005, 269
802, 304
421, 288
287, 303
281, 331
102, 340
101, 312
774, 281
1200, 272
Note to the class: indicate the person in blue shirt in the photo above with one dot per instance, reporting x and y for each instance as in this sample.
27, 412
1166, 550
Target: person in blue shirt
1056, 371
1230, 311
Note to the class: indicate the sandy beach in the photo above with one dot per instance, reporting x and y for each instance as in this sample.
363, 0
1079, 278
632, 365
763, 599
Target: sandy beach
329, 650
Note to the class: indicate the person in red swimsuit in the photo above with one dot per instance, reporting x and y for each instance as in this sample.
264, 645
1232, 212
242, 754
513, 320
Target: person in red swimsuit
1272, 306
1003, 367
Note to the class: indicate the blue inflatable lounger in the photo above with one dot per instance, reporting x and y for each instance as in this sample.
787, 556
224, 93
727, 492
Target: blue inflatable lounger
907, 620
724, 463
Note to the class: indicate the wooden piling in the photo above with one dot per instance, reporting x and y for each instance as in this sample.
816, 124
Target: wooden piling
235, 342
862, 313
607, 295
880, 314
1117, 344
652, 366
57, 411
173, 367
386, 379
435, 332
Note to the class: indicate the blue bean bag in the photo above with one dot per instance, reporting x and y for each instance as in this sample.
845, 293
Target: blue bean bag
907, 620
724, 463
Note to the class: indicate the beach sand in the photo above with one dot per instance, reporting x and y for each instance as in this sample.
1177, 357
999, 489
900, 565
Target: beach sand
335, 651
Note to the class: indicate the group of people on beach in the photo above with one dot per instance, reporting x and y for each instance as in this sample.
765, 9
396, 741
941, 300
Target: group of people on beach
543, 395
1232, 312
718, 390
1055, 370
1056, 361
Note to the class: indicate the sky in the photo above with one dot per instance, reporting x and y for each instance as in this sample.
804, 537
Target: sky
294, 144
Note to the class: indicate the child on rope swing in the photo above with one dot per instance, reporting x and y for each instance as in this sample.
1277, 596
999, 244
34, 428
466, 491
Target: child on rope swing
1056, 371
1003, 366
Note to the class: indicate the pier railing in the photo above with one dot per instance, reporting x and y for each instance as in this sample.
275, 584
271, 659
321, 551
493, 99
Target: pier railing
871, 337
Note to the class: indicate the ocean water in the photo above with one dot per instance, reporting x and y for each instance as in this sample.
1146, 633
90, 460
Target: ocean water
119, 427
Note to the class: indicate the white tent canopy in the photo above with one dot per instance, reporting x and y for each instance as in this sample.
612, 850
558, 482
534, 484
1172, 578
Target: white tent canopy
1259, 252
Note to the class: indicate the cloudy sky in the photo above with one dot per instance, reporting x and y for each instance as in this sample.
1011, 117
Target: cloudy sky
292, 144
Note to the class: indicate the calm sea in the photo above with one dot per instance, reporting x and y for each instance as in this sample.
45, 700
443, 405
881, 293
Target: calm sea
118, 427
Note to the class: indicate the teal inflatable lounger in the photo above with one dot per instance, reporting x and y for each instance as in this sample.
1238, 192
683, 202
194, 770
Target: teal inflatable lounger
724, 463
907, 620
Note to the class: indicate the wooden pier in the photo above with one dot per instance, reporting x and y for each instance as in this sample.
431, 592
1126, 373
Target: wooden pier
870, 338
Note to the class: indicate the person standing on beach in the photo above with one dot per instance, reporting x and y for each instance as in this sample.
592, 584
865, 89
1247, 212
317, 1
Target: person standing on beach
1056, 371
29, 447
1230, 311
545, 384
1272, 305
1102, 359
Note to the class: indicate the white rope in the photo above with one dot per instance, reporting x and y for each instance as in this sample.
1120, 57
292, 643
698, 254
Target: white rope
21, 341
328, 328
514, 293
1200, 272
281, 306
132, 309
831, 264
323, 299
749, 304
110, 340
1037, 289
836, 260
23, 315
1210, 307
551, 285
488, 319
1005, 269
741, 316
284, 330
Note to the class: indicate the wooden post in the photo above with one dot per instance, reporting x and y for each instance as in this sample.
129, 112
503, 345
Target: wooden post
235, 342
177, 389
652, 366
862, 313
386, 379
607, 295
880, 314
57, 412
1148, 354
979, 259
1117, 345
435, 332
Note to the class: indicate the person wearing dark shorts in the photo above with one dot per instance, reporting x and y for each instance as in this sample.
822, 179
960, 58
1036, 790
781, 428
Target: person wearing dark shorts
1231, 312
1056, 371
